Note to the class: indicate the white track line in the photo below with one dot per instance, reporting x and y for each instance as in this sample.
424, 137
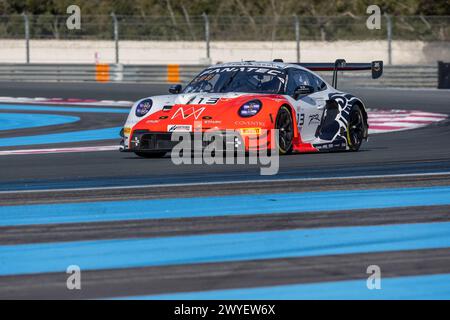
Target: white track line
190, 184
61, 101
59, 150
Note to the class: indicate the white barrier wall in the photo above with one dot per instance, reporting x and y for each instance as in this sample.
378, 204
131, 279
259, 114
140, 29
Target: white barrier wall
158, 52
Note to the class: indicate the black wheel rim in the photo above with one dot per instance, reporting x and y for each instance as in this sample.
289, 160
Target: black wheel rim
356, 129
286, 132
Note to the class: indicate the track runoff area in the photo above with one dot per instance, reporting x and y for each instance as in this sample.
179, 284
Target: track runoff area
368, 225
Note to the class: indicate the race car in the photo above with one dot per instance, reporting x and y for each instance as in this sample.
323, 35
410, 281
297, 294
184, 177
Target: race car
255, 98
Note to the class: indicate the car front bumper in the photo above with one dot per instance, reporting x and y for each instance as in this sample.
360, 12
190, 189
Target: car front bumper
148, 141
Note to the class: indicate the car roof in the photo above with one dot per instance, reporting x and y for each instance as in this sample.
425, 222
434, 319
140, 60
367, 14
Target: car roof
261, 64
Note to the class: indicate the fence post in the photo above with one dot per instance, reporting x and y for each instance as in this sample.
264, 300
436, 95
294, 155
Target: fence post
205, 17
116, 36
389, 37
297, 36
27, 36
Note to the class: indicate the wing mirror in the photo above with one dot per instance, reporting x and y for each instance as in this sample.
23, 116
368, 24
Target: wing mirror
303, 90
176, 88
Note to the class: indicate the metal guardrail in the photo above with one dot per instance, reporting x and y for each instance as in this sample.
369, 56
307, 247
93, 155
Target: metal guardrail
47, 72
171, 73
397, 76
160, 73
394, 76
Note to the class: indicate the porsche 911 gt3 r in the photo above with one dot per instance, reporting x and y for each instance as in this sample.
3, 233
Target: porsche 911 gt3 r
254, 98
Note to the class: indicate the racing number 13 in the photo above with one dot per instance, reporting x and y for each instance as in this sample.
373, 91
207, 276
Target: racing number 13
209, 101
301, 118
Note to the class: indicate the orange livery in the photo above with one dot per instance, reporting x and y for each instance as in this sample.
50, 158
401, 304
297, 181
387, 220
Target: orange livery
255, 98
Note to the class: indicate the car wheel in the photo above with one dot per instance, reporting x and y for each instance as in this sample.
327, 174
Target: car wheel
355, 129
285, 125
150, 154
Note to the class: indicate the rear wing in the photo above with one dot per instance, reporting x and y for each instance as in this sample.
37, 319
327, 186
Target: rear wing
341, 65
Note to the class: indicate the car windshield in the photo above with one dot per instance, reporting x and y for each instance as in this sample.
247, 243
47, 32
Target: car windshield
238, 79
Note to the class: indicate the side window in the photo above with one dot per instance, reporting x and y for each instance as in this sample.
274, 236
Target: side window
318, 84
296, 78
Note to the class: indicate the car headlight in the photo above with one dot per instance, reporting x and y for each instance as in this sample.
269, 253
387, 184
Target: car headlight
143, 107
250, 108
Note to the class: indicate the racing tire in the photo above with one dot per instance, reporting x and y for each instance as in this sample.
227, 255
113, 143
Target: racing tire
150, 155
355, 129
285, 125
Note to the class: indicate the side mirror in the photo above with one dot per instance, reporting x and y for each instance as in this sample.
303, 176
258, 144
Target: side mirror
176, 88
303, 90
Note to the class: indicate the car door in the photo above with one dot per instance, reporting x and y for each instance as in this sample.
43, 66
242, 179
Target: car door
309, 108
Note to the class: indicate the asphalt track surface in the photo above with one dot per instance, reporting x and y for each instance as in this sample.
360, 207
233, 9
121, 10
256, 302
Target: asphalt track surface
399, 223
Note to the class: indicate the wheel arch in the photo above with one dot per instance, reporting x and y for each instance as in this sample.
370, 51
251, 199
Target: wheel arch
293, 115
361, 106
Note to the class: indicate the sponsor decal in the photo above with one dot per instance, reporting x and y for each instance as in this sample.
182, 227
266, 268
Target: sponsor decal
250, 123
152, 121
257, 69
247, 131
186, 113
331, 146
179, 127
212, 121
376, 66
143, 107
314, 118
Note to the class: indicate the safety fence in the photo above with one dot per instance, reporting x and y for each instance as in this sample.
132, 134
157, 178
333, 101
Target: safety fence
425, 76
217, 28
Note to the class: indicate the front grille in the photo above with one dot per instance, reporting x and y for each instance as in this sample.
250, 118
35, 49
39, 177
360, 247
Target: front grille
143, 140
